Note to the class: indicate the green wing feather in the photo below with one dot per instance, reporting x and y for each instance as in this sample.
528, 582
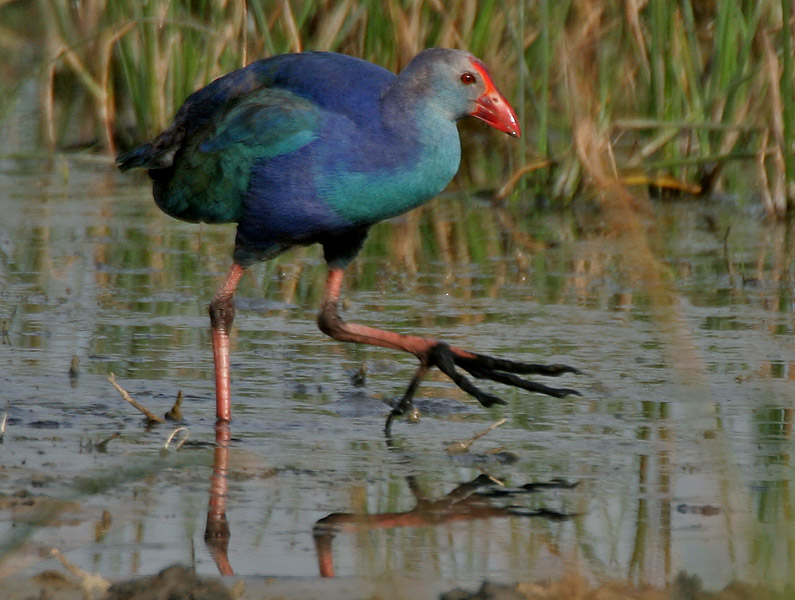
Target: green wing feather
211, 170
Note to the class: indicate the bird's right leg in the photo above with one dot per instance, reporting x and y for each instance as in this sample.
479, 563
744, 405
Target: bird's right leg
222, 314
434, 353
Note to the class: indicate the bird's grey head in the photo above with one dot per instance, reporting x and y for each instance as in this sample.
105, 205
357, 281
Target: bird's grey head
457, 84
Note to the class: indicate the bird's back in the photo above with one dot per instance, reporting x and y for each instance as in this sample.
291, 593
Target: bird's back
203, 162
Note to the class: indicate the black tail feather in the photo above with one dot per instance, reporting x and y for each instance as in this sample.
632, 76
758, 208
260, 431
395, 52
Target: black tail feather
138, 157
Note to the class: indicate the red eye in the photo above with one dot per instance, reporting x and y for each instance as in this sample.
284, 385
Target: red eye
468, 78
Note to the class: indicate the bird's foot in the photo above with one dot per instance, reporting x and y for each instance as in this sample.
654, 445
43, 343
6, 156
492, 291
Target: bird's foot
480, 366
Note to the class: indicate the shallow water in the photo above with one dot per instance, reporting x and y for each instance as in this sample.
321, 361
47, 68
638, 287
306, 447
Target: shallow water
680, 444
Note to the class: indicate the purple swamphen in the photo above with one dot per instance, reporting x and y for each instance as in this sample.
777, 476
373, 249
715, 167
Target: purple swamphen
317, 147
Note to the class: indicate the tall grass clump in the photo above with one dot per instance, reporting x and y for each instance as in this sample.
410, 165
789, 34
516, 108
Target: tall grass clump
667, 94
676, 91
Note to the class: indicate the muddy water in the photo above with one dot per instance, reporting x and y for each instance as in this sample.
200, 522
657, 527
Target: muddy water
680, 444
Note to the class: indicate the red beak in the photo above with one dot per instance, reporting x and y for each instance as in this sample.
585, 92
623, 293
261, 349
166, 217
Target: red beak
493, 108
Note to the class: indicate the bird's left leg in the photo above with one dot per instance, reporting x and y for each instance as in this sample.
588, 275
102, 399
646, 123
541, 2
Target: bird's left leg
222, 315
433, 353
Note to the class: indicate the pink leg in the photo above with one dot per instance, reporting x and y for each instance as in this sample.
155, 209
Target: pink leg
222, 314
432, 353
332, 324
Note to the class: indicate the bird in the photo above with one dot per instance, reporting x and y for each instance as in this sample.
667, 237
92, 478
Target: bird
315, 148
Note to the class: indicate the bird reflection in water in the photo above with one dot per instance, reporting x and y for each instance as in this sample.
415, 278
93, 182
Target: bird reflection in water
216, 531
481, 498
466, 502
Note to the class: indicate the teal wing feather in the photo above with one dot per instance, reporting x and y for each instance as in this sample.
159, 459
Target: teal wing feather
211, 171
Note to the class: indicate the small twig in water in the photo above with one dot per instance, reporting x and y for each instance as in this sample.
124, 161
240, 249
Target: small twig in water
174, 434
150, 416
492, 478
102, 445
727, 256
5, 324
74, 369
88, 581
463, 447
175, 414
5, 421
359, 379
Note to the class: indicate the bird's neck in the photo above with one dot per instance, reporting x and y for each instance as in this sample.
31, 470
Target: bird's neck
413, 114
422, 156
421, 123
